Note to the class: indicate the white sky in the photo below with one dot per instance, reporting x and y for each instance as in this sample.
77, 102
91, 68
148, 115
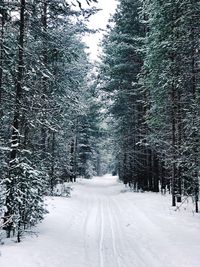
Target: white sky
99, 20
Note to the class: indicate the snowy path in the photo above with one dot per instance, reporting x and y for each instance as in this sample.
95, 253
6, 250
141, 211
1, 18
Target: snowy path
100, 226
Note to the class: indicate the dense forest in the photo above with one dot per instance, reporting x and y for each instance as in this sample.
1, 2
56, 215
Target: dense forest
150, 75
47, 112
136, 113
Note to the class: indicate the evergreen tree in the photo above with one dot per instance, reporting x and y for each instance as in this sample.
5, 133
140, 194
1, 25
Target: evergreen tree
150, 72
123, 62
170, 77
43, 79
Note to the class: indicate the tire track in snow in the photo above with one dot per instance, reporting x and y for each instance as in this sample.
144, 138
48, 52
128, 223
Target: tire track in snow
91, 232
101, 236
115, 252
88, 214
121, 245
138, 251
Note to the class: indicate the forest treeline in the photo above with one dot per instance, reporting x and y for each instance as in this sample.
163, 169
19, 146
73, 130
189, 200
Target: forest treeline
150, 75
47, 113
53, 124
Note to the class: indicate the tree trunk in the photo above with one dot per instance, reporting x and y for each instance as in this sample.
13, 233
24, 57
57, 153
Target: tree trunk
2, 21
52, 181
44, 79
173, 121
195, 134
15, 138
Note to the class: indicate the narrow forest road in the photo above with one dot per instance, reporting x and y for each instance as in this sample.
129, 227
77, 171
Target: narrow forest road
104, 226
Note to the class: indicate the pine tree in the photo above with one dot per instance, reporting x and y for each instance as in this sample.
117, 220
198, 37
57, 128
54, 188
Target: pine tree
44, 84
169, 78
123, 63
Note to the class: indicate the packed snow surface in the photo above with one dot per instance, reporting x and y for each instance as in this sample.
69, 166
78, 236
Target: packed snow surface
104, 225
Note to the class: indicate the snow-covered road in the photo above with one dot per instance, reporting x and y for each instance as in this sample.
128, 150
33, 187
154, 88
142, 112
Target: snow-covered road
104, 226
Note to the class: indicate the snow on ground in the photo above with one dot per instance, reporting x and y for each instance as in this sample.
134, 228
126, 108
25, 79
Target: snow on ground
102, 225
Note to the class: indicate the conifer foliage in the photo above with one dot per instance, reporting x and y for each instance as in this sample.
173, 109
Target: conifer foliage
43, 84
150, 71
